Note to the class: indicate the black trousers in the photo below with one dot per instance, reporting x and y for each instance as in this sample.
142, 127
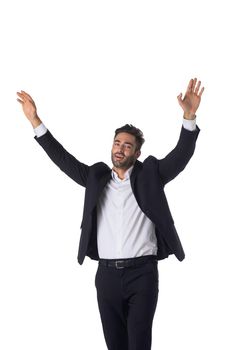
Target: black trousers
127, 299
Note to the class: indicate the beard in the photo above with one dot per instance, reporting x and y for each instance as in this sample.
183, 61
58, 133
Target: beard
123, 162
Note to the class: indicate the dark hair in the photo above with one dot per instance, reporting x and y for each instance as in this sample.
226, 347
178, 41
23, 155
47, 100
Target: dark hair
130, 129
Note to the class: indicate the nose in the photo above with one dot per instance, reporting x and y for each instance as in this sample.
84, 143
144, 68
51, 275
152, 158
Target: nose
119, 147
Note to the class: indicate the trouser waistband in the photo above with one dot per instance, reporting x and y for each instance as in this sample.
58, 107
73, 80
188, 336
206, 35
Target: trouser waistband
121, 263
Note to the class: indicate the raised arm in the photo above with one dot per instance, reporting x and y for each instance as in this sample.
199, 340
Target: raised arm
64, 160
177, 159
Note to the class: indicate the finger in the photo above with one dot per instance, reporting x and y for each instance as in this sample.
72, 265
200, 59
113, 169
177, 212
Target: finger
20, 101
201, 92
180, 100
27, 95
21, 96
189, 88
194, 84
179, 97
198, 87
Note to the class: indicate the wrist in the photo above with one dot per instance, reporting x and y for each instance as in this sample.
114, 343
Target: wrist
36, 121
189, 115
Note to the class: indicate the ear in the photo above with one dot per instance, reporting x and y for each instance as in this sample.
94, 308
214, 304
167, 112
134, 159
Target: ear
138, 153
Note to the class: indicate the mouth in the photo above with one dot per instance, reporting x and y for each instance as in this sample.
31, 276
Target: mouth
119, 156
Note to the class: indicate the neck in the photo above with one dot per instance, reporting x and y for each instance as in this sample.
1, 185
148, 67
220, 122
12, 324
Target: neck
120, 172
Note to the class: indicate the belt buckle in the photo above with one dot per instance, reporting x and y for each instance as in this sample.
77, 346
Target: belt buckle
118, 267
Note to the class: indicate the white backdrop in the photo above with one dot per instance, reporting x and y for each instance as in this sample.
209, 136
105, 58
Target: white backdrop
92, 66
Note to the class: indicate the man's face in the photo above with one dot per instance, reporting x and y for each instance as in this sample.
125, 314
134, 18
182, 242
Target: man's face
124, 153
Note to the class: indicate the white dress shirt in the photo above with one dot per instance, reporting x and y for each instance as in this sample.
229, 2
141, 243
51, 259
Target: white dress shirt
123, 230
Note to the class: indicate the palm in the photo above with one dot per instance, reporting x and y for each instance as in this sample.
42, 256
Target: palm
190, 102
29, 108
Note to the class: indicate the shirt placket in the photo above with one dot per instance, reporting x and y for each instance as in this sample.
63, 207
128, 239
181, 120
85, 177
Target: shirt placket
120, 201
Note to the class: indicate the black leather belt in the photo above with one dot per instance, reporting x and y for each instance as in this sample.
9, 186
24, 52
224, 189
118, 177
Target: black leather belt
121, 263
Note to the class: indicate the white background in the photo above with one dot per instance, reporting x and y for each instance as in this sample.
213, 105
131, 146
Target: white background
92, 66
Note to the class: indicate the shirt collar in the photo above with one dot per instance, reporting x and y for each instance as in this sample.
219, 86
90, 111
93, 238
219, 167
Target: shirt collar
127, 174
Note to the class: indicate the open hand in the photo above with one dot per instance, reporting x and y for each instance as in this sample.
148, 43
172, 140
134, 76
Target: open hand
28, 105
192, 99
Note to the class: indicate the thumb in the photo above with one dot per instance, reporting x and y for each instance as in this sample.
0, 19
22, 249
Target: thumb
179, 97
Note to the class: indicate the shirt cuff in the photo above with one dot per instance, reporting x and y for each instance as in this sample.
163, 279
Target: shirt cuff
40, 130
189, 124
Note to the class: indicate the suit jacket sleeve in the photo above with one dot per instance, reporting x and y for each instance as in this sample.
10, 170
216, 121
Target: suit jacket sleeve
170, 166
64, 160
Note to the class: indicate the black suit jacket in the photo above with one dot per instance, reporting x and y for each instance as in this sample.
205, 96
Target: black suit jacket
148, 179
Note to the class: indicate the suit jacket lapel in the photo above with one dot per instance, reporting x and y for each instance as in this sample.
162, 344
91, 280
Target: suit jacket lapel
136, 169
103, 181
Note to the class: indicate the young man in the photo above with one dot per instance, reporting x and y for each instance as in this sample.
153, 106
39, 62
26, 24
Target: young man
127, 224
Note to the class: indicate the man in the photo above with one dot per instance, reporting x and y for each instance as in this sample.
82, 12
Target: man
127, 225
